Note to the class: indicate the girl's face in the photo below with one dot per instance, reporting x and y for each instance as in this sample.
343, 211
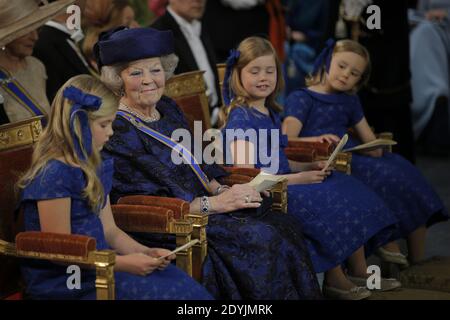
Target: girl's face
101, 129
259, 77
144, 82
345, 71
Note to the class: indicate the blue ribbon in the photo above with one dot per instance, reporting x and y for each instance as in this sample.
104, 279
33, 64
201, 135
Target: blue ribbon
185, 153
324, 58
19, 93
227, 93
82, 103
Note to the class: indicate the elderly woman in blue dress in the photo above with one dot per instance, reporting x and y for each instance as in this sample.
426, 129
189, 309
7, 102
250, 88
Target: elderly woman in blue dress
252, 253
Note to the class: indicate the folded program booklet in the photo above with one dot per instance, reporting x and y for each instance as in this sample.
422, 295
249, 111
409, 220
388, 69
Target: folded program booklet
372, 145
264, 181
183, 247
338, 149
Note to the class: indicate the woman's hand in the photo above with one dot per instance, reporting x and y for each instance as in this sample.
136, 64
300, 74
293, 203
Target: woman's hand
239, 196
158, 252
330, 138
140, 264
308, 177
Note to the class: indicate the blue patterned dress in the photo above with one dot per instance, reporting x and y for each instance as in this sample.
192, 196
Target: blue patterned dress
46, 280
252, 254
394, 179
338, 215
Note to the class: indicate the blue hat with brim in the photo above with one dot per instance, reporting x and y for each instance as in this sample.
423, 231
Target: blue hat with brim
122, 44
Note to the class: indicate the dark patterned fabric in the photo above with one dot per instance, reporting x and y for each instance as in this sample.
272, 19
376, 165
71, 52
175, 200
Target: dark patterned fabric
394, 179
46, 280
259, 257
338, 215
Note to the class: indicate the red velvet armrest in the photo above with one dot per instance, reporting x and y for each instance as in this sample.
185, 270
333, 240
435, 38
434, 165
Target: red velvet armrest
142, 218
55, 243
179, 207
323, 149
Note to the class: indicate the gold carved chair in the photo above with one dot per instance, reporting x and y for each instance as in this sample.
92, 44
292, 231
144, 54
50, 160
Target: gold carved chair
16, 148
189, 92
62, 248
221, 67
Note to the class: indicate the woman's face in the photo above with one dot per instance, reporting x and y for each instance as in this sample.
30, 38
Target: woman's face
23, 47
101, 129
144, 82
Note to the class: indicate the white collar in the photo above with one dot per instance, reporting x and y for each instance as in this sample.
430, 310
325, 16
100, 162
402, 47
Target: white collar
75, 35
195, 26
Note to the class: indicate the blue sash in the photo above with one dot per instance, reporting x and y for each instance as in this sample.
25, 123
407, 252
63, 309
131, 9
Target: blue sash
20, 94
185, 153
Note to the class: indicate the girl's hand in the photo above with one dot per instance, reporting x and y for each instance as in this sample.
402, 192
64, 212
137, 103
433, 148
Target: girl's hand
319, 165
239, 196
309, 177
158, 252
330, 138
141, 264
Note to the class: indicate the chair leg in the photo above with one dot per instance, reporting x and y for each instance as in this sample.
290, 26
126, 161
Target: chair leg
344, 162
104, 282
199, 250
183, 231
279, 196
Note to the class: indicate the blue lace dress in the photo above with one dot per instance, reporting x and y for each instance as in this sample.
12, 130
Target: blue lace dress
338, 215
394, 179
46, 280
251, 255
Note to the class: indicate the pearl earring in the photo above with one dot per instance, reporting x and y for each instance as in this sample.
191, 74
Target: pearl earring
3, 48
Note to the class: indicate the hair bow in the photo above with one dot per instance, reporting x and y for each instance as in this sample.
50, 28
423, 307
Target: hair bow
232, 59
324, 58
82, 103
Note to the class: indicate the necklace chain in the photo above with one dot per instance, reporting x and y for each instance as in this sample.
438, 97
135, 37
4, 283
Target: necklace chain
152, 118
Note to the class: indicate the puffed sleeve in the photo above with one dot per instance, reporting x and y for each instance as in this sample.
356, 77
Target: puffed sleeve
55, 181
239, 118
298, 105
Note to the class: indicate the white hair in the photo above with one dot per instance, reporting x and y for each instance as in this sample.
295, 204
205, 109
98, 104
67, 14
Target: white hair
110, 75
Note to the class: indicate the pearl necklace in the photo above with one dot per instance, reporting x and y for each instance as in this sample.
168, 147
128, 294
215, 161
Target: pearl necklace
152, 118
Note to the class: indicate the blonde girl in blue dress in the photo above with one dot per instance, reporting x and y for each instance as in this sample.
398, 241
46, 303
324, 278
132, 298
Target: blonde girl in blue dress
327, 108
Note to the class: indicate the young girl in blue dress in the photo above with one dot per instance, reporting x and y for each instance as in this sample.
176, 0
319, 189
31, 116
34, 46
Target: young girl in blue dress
339, 214
66, 191
327, 108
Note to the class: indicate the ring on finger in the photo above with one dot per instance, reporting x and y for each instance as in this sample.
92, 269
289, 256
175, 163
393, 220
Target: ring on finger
247, 199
